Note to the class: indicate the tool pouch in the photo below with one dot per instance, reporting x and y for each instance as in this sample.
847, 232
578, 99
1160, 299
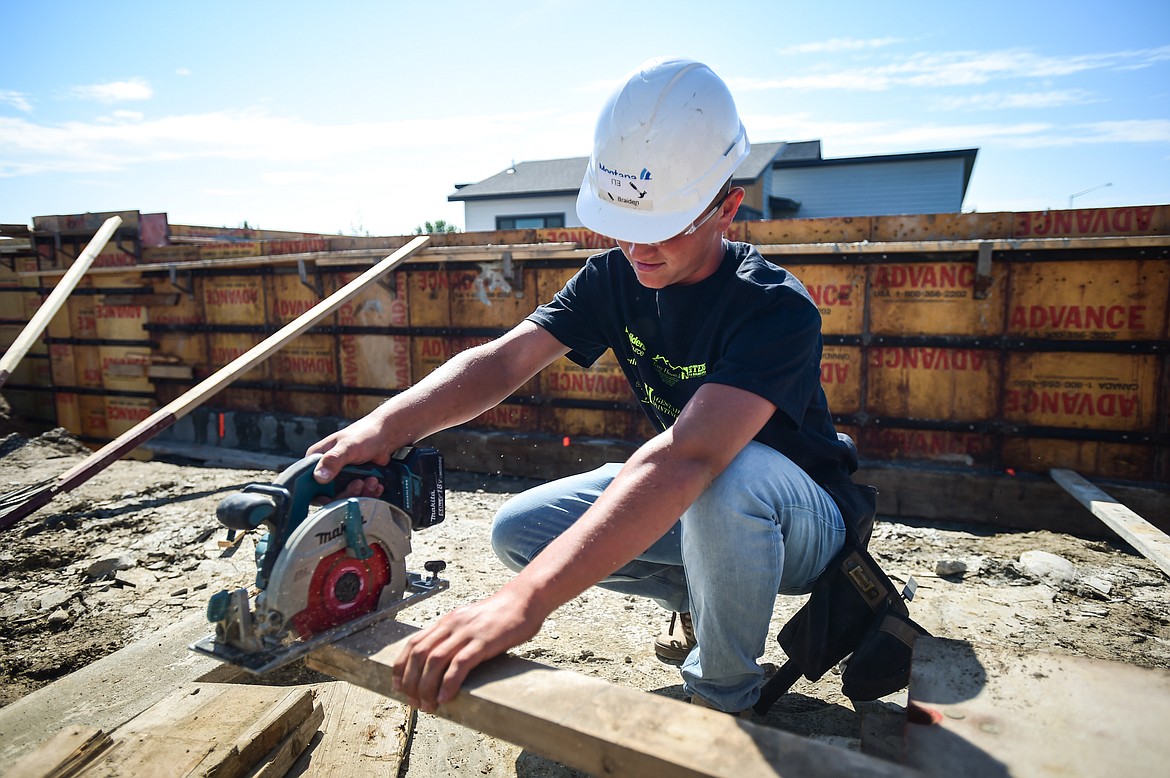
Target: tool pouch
854, 611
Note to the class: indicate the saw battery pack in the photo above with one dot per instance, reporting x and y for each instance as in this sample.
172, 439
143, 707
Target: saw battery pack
414, 482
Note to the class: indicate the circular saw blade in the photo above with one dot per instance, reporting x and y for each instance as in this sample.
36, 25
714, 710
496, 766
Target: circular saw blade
342, 588
317, 582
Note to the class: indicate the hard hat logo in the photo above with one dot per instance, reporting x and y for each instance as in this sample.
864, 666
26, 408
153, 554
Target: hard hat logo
674, 117
626, 189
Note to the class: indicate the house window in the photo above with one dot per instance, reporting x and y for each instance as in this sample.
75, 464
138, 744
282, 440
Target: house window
530, 221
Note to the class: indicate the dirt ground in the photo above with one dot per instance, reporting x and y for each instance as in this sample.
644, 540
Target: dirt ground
138, 547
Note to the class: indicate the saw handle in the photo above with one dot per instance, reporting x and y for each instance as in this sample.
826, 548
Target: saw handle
304, 489
291, 494
245, 510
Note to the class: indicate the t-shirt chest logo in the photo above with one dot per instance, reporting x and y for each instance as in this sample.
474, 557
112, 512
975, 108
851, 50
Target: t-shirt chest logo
671, 374
667, 371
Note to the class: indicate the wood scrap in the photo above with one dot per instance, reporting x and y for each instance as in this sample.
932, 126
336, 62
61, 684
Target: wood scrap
281, 759
62, 755
592, 725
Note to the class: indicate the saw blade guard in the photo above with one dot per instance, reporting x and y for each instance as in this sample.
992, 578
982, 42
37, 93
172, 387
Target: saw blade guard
345, 560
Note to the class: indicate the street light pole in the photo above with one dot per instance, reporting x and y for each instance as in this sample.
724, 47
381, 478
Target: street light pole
1085, 191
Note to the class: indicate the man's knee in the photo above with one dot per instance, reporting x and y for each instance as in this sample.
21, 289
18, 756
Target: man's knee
506, 532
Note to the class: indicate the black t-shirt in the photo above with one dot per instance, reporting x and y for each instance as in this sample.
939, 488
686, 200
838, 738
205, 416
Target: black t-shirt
750, 325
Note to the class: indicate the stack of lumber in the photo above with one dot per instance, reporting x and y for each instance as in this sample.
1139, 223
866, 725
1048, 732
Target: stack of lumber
229, 730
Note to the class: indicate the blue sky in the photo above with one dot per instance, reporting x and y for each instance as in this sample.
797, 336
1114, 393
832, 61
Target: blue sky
360, 117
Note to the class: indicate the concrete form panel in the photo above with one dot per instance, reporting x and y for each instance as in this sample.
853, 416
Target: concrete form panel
1090, 300
927, 382
839, 293
1082, 390
936, 298
841, 369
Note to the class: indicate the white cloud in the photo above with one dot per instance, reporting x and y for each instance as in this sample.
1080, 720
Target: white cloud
835, 45
28, 147
1000, 100
1124, 131
17, 100
843, 139
115, 91
957, 68
182, 71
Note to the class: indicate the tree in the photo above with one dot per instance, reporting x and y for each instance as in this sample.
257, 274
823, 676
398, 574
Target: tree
437, 226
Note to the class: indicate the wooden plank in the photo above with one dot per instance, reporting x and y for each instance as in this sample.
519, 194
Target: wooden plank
935, 246
206, 729
109, 692
1149, 541
354, 257
982, 711
364, 734
281, 759
592, 725
63, 754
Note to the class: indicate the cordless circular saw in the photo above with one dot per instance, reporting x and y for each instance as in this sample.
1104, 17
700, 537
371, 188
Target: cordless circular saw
325, 573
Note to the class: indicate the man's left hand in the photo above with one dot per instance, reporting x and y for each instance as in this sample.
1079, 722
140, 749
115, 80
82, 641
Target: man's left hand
435, 661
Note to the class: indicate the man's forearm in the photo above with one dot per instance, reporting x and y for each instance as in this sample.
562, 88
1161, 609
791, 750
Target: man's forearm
456, 392
467, 385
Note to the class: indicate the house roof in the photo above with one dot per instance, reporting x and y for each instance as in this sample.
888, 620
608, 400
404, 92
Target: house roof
528, 179
966, 155
563, 176
550, 177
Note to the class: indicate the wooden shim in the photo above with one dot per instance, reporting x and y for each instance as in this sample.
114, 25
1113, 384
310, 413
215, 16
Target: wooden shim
1149, 541
221, 729
281, 759
986, 711
364, 734
591, 725
62, 755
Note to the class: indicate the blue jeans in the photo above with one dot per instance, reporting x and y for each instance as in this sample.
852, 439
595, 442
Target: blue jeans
763, 527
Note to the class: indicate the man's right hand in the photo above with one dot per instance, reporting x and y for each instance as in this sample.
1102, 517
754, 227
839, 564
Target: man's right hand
359, 443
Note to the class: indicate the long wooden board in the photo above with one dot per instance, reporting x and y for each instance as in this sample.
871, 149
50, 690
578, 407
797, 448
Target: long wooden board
591, 725
1149, 541
26, 502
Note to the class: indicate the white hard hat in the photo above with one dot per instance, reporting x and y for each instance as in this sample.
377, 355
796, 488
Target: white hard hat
666, 142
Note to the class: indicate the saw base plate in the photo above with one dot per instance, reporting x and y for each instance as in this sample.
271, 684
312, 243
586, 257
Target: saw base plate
418, 588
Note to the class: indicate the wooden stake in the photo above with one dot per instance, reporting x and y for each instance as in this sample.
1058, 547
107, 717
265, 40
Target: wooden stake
56, 299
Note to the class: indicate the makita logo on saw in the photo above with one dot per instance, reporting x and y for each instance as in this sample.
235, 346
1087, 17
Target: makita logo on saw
325, 537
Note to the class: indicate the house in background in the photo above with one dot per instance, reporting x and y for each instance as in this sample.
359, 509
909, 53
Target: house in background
782, 180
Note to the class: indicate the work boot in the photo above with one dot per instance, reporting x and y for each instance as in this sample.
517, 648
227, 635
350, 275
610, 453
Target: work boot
747, 714
673, 645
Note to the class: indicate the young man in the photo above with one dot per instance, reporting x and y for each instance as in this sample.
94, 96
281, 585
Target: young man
721, 510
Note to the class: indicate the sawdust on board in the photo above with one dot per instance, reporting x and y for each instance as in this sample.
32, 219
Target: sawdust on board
138, 547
